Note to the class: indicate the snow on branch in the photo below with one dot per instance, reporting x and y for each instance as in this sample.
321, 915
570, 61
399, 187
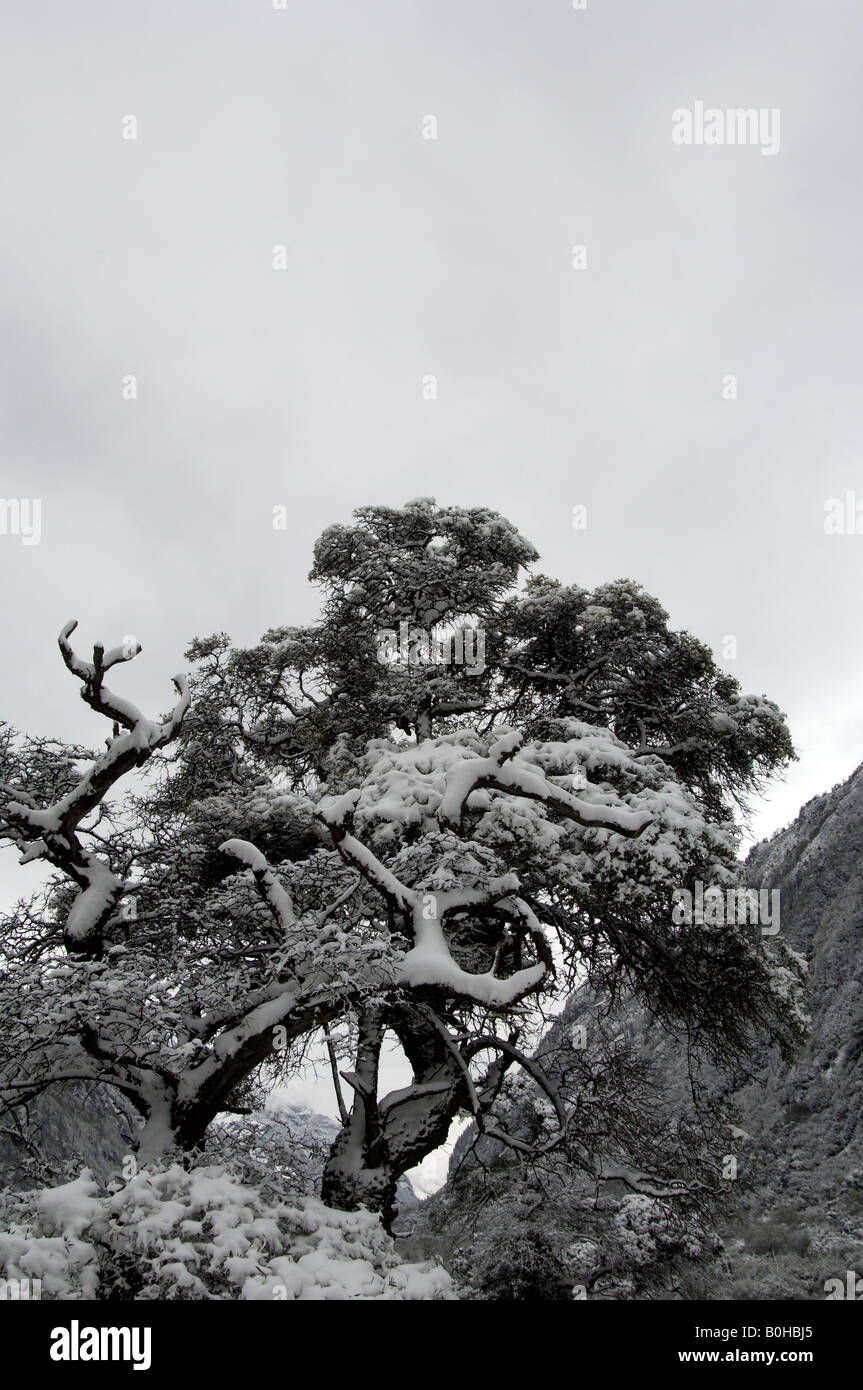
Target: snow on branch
430, 786
91, 673
637, 1181
335, 813
50, 833
501, 771
124, 751
430, 963
278, 900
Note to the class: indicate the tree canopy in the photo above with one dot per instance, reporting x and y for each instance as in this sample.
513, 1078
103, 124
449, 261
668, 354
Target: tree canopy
338, 835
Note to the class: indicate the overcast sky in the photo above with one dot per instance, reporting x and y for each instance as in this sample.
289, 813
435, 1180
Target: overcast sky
409, 257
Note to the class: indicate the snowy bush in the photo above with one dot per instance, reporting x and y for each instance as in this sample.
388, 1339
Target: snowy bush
177, 1233
643, 1231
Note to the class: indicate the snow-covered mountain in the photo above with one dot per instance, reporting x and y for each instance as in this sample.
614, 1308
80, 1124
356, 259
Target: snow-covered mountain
810, 1115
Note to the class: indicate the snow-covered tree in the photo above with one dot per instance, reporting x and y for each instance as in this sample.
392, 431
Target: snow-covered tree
425, 816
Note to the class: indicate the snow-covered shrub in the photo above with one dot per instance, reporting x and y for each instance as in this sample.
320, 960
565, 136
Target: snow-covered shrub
644, 1232
177, 1233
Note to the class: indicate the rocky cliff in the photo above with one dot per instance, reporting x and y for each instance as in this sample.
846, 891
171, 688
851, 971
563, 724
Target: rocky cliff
72, 1126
